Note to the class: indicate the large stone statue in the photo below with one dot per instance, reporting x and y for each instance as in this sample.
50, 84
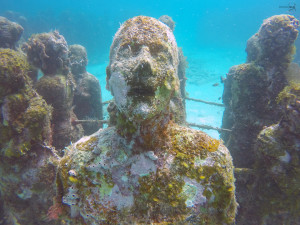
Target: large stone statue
26, 174
49, 53
263, 113
10, 33
250, 89
146, 169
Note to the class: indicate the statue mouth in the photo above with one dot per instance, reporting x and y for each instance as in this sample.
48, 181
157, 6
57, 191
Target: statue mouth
141, 91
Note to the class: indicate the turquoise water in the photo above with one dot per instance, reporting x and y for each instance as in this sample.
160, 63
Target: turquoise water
213, 35
92, 23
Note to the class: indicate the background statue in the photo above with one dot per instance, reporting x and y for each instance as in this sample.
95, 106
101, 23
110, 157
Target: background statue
87, 95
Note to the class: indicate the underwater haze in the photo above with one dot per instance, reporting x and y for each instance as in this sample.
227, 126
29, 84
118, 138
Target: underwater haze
199, 24
226, 150
213, 35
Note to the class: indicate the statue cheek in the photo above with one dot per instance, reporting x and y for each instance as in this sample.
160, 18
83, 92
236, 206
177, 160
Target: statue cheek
119, 89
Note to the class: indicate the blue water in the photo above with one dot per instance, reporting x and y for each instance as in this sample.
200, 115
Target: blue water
213, 35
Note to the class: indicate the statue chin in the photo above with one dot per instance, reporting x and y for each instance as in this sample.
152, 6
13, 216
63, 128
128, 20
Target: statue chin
142, 111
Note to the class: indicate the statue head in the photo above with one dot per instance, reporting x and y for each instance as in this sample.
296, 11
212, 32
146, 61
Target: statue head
142, 72
78, 59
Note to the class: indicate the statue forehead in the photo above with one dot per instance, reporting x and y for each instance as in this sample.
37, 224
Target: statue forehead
142, 30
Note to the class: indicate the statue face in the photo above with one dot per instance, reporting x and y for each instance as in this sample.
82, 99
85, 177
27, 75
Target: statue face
143, 73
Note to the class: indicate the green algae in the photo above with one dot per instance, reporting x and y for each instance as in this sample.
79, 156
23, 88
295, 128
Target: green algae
289, 94
88, 145
160, 195
26, 116
13, 71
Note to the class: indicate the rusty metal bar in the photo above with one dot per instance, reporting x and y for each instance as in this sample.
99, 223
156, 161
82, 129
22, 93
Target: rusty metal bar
187, 98
107, 102
207, 127
206, 102
91, 121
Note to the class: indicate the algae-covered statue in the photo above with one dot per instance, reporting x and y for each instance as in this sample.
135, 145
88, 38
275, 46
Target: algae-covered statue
87, 94
250, 89
49, 53
262, 111
146, 169
27, 176
10, 33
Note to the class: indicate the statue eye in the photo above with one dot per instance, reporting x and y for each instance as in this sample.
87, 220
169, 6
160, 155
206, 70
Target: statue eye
155, 49
135, 48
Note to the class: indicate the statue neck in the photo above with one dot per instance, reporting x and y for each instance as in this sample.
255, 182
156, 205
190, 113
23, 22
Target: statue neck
147, 134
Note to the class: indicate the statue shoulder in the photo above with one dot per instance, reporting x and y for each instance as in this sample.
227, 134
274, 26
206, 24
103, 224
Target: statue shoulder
191, 141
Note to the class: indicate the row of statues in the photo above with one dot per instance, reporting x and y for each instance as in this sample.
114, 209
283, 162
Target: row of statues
147, 167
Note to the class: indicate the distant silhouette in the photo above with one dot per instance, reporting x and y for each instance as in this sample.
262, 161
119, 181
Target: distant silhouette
290, 7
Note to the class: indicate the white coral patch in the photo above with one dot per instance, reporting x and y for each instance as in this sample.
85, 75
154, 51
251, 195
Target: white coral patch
285, 158
193, 192
142, 109
142, 165
119, 89
208, 161
119, 200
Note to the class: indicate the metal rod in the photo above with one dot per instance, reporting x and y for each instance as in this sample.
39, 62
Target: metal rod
106, 102
207, 127
206, 102
91, 121
187, 98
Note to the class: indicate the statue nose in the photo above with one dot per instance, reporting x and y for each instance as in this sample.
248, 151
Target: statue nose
145, 52
143, 70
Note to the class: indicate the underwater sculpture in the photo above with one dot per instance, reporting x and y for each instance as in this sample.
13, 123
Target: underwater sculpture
49, 53
27, 177
10, 33
21, 20
168, 21
87, 94
269, 193
250, 89
146, 169
178, 102
263, 113
278, 163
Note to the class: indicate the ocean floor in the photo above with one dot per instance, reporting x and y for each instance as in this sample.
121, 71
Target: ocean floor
204, 72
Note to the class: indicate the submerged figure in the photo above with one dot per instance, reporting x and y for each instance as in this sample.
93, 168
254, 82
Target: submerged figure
277, 160
27, 176
49, 53
264, 141
178, 102
10, 33
87, 95
146, 169
250, 89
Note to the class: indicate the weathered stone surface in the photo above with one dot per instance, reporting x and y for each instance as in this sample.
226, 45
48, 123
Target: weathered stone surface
10, 33
27, 176
146, 169
263, 113
250, 89
168, 21
87, 100
270, 195
48, 52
